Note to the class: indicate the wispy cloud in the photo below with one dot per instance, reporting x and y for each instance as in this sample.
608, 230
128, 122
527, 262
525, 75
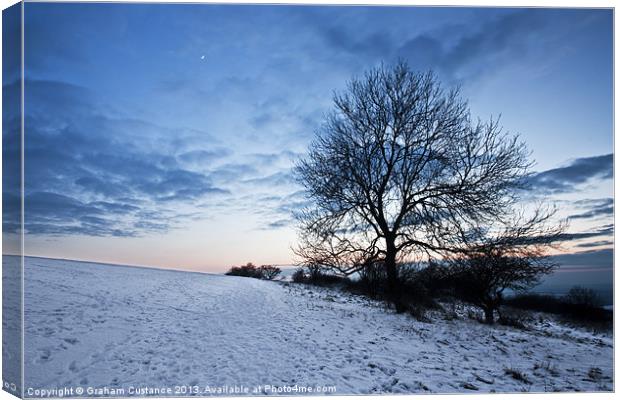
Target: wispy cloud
594, 208
604, 230
577, 172
459, 52
85, 175
598, 243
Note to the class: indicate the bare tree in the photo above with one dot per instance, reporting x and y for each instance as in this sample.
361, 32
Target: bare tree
399, 171
511, 256
269, 272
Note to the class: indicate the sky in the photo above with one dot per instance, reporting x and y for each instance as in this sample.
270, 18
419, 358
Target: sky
164, 135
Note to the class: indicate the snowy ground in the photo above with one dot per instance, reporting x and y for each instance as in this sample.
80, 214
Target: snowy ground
100, 326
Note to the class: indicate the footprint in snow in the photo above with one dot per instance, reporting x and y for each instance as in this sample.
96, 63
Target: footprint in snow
44, 356
47, 331
73, 366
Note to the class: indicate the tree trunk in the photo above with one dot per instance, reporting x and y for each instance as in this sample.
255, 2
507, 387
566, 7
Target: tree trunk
488, 315
393, 283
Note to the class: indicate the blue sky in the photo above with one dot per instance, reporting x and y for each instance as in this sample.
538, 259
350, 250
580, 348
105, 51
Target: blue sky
164, 134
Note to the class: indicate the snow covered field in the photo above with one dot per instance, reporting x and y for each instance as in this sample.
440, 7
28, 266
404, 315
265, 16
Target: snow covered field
113, 327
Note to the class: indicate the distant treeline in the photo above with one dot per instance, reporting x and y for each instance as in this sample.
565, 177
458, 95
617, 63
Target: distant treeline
250, 270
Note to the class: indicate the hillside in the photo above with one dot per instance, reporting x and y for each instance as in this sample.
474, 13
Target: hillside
92, 325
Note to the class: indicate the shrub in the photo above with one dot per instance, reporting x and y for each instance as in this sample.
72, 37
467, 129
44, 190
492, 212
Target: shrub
299, 276
269, 271
517, 375
317, 275
418, 312
595, 374
416, 293
249, 270
536, 302
328, 280
315, 272
434, 278
514, 317
474, 315
372, 279
418, 286
252, 271
581, 296
576, 306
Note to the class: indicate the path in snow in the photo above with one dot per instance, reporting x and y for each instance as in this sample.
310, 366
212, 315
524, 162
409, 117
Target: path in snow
112, 326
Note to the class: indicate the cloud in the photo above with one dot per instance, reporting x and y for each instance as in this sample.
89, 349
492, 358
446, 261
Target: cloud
94, 172
90, 173
204, 156
11, 209
55, 214
281, 178
361, 44
458, 51
233, 171
565, 179
595, 208
293, 203
604, 230
495, 38
588, 259
596, 243
176, 184
279, 210
281, 223
271, 159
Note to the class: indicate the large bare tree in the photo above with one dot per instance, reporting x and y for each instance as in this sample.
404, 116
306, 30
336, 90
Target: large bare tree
399, 170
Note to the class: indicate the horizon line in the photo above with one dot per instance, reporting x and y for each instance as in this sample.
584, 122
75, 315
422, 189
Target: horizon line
179, 269
292, 265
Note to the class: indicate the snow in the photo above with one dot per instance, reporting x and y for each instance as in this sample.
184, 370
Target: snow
11, 323
101, 326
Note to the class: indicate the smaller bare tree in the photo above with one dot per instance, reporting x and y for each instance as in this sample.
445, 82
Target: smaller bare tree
512, 256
